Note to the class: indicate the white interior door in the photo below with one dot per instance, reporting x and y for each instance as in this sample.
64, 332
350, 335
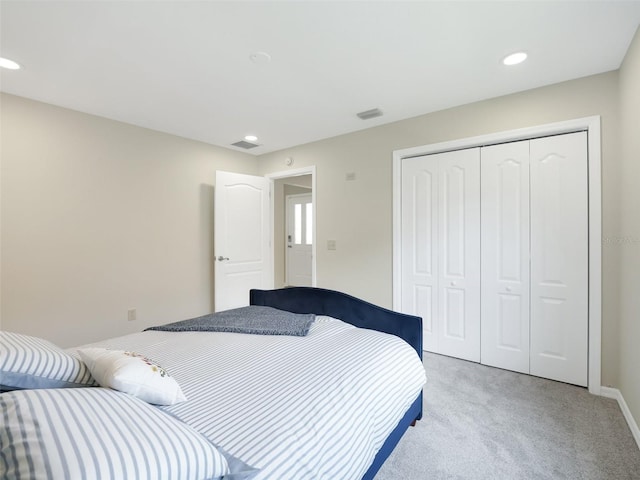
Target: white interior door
564, 236
559, 258
441, 249
299, 240
505, 256
420, 244
459, 254
242, 229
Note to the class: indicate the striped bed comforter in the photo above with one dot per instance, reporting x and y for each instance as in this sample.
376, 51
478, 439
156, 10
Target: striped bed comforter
314, 407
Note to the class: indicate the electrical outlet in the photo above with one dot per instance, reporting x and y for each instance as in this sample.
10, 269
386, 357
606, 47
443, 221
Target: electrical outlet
331, 244
131, 314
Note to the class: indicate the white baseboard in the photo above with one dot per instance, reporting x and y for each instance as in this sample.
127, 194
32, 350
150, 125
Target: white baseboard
617, 394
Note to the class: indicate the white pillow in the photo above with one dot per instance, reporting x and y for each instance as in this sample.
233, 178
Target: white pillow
97, 433
32, 362
132, 373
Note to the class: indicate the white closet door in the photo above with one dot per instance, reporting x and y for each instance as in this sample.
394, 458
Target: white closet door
459, 254
441, 249
505, 256
559, 258
419, 244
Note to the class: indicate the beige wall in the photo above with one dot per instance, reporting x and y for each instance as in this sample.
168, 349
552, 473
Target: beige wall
628, 241
357, 214
99, 217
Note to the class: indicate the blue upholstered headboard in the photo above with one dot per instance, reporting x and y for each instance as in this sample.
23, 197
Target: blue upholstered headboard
344, 307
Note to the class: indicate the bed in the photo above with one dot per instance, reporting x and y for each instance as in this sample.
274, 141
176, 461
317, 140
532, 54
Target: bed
332, 403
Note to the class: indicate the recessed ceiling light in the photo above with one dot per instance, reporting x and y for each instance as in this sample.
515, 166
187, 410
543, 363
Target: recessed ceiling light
250, 138
10, 64
514, 58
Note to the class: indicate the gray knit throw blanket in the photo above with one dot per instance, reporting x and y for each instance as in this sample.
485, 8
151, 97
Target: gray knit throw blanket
253, 319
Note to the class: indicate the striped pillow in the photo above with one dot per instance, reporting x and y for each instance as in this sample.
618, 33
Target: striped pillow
32, 362
91, 433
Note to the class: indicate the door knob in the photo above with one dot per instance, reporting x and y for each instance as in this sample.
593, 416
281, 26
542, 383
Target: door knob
221, 258
453, 284
508, 289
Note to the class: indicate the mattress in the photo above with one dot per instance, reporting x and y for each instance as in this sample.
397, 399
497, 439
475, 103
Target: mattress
313, 407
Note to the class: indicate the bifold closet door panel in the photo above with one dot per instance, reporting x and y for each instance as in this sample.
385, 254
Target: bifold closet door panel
420, 244
440, 261
505, 256
459, 254
559, 257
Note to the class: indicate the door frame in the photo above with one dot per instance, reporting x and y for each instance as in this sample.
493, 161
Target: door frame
589, 124
296, 172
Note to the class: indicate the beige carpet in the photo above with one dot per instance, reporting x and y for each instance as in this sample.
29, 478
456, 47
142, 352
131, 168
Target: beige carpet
486, 423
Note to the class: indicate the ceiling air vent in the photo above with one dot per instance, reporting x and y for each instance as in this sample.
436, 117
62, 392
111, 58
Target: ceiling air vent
244, 144
376, 112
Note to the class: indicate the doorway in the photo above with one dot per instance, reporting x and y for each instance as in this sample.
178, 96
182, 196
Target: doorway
298, 238
287, 184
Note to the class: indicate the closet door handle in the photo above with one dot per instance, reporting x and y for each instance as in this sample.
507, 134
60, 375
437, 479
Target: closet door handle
508, 289
453, 284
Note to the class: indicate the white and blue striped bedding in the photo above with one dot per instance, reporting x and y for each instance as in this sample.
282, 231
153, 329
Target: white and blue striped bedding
314, 407
97, 433
32, 362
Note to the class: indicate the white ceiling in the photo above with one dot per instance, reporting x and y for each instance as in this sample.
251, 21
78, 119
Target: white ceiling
183, 67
